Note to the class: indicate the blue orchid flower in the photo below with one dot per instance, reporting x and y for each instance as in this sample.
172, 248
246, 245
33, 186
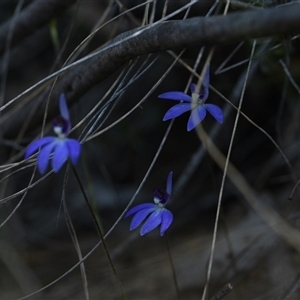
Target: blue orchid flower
61, 147
159, 215
195, 103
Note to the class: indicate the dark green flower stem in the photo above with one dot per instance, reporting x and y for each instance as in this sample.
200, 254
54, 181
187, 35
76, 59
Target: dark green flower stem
99, 231
173, 268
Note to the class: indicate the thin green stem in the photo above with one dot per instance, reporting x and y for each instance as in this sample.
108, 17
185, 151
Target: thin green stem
99, 231
213, 244
172, 267
74, 235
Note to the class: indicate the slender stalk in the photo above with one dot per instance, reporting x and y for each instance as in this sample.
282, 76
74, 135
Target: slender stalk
213, 245
172, 267
74, 235
99, 231
294, 190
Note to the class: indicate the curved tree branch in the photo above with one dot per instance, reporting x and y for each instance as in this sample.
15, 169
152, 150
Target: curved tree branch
197, 31
32, 18
179, 34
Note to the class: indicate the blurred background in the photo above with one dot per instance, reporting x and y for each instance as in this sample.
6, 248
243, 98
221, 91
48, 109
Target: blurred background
36, 247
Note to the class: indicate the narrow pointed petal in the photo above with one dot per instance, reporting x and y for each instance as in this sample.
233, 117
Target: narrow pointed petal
35, 145
60, 156
215, 111
205, 81
167, 219
196, 117
74, 149
205, 85
169, 183
44, 157
140, 216
177, 110
63, 108
153, 221
139, 207
179, 96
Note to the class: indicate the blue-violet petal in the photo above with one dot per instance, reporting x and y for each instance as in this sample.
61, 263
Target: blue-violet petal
175, 95
139, 207
167, 219
44, 156
169, 183
60, 156
152, 222
215, 111
35, 145
63, 108
177, 110
140, 216
196, 117
205, 81
74, 148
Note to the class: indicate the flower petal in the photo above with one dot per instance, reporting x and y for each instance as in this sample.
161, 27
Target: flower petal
60, 155
63, 108
177, 110
44, 156
139, 207
169, 183
153, 221
167, 219
196, 117
215, 111
205, 86
205, 81
179, 96
35, 145
140, 216
74, 149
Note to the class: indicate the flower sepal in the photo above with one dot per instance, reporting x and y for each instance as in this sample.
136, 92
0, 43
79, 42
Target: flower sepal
57, 149
155, 213
194, 103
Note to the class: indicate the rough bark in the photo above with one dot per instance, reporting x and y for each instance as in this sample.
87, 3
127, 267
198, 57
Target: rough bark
192, 32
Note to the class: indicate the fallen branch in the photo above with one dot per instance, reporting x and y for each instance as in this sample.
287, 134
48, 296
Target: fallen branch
197, 31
